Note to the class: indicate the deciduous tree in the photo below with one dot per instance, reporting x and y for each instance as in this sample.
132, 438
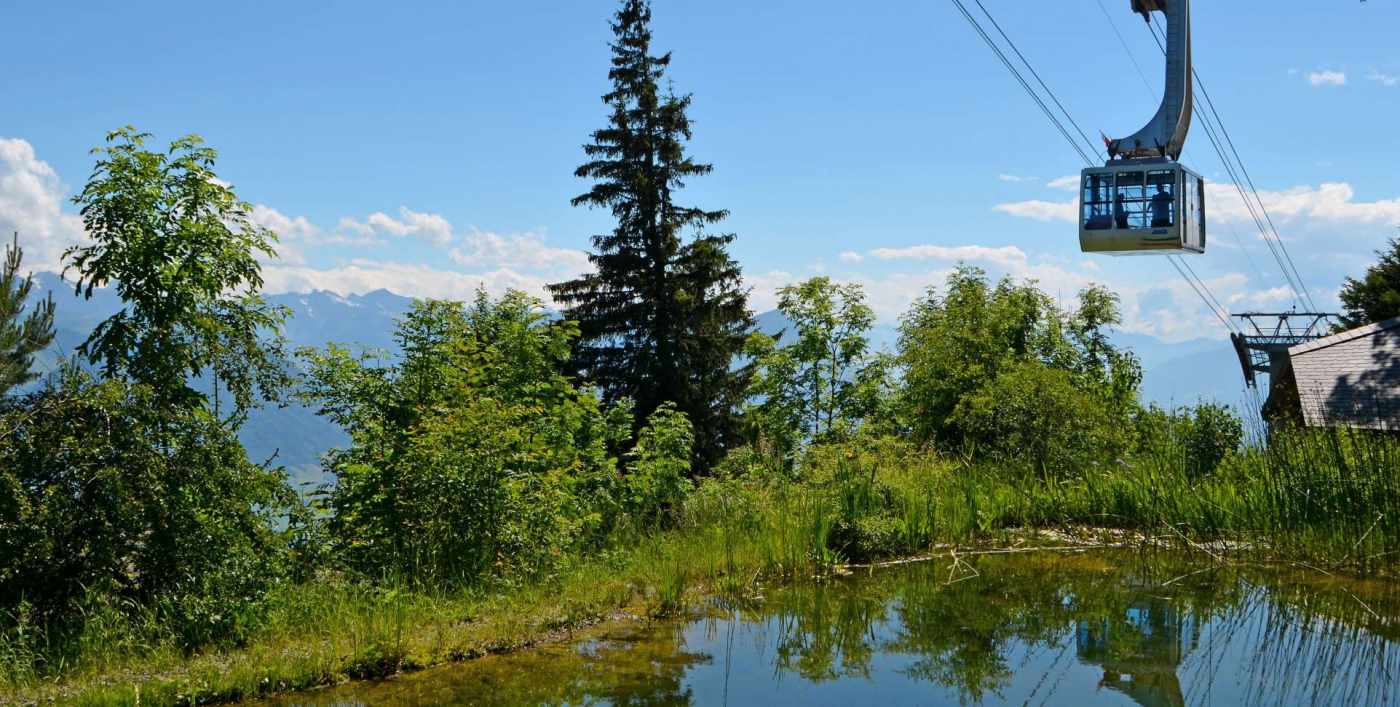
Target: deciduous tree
182, 252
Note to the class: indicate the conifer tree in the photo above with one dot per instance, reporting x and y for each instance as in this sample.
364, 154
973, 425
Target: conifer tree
664, 313
20, 338
1376, 296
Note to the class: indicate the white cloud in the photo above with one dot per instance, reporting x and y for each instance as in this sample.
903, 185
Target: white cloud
1327, 77
31, 204
517, 250
286, 227
1006, 256
430, 227
1069, 182
1043, 210
851, 256
409, 279
1384, 79
1330, 203
1014, 179
763, 288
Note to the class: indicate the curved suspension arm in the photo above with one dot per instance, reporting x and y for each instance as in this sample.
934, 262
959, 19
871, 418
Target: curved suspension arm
1165, 134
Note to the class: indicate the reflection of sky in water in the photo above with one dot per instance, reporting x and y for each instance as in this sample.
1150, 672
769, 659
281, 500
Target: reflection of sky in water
1087, 630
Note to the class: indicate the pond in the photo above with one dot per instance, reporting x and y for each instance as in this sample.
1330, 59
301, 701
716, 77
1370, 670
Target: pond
1100, 628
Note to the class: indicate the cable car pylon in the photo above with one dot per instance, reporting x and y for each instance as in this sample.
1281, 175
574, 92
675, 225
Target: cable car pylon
1142, 201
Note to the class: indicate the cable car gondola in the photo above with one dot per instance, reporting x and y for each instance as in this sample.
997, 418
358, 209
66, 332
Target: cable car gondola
1144, 202
1142, 207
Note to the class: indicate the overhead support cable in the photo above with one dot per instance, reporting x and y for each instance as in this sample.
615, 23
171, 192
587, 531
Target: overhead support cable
1198, 285
1092, 147
1254, 267
1019, 78
1269, 234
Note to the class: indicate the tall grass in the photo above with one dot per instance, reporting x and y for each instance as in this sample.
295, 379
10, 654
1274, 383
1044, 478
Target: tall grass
1321, 498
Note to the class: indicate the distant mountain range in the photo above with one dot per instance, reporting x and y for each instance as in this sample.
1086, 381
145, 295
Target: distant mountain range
1174, 373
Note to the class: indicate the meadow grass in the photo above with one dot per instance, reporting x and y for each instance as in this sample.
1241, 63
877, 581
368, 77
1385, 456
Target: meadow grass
1320, 499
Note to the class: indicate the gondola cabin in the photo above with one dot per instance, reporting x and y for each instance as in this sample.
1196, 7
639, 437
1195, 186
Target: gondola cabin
1142, 207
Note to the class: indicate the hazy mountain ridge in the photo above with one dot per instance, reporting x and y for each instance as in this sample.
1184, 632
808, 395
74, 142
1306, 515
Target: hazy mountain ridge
1174, 373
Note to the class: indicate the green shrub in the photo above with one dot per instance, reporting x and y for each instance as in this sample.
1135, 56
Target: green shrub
110, 495
1197, 438
472, 454
1033, 416
956, 344
657, 477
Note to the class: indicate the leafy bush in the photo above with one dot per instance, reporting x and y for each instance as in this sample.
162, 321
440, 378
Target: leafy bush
657, 477
472, 453
821, 384
108, 494
1201, 437
1034, 416
1002, 370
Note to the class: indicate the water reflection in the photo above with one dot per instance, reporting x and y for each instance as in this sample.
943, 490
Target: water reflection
1140, 652
1085, 629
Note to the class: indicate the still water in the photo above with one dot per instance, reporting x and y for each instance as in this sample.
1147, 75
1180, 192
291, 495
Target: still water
1115, 628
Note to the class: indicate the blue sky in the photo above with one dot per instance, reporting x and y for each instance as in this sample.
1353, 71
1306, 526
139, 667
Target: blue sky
429, 147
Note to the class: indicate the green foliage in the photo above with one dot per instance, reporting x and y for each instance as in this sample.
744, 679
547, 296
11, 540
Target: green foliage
956, 347
20, 338
657, 475
471, 453
1202, 436
1376, 296
182, 252
661, 318
1032, 416
823, 384
110, 497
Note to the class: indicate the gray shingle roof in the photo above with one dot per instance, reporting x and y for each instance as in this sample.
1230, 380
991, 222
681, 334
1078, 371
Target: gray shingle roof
1351, 378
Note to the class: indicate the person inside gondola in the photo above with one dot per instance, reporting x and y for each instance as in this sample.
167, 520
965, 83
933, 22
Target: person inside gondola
1120, 215
1161, 208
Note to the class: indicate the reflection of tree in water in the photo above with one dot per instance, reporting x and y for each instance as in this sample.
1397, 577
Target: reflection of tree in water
960, 632
827, 632
1149, 625
643, 666
1140, 621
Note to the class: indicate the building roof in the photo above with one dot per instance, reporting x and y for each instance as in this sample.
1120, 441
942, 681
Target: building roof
1351, 378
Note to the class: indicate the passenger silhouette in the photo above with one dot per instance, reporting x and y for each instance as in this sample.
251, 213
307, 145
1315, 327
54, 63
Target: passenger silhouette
1161, 208
1120, 216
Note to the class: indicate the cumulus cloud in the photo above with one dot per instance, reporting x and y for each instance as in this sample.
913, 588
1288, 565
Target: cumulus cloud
1384, 79
1327, 77
1330, 203
410, 279
432, 228
1043, 210
1069, 182
31, 204
1006, 256
526, 250
1014, 179
763, 288
851, 256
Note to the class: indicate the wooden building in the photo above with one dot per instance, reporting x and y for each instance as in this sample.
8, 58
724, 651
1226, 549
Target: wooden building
1350, 379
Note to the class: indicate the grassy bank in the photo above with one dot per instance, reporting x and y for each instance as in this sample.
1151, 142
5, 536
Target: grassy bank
1320, 499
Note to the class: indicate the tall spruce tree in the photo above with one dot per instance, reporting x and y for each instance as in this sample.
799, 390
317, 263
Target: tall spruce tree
665, 313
